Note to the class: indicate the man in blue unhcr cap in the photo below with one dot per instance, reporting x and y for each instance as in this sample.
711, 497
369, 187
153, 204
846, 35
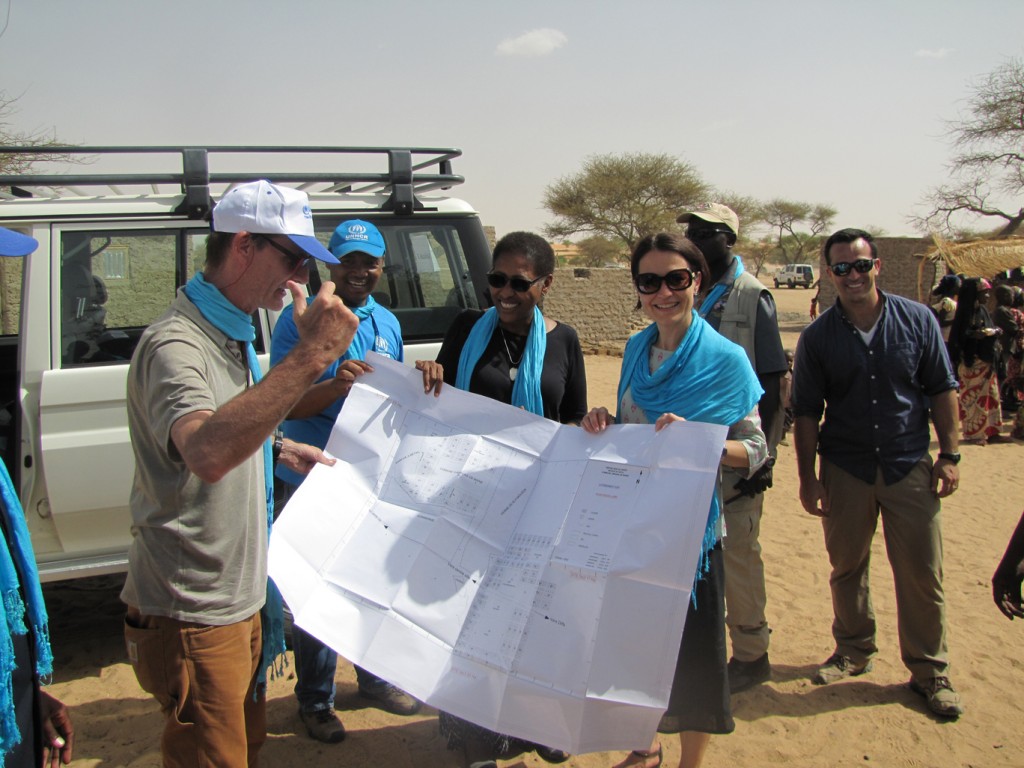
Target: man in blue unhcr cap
359, 247
35, 728
203, 623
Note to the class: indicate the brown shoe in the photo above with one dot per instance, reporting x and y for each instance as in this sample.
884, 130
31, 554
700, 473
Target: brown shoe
323, 725
939, 695
838, 667
391, 699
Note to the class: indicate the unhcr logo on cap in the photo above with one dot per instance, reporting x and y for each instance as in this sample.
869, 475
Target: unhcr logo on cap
357, 235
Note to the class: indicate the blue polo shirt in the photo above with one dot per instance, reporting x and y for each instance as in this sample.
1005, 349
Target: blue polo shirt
380, 332
875, 398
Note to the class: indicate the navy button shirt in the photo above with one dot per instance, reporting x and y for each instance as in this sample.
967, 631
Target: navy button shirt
875, 398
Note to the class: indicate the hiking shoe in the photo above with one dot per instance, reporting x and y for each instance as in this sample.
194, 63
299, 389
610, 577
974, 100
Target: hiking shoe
939, 695
747, 674
323, 725
391, 699
838, 667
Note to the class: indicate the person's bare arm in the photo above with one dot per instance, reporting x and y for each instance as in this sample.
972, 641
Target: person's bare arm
945, 474
212, 443
812, 492
1009, 575
57, 732
319, 396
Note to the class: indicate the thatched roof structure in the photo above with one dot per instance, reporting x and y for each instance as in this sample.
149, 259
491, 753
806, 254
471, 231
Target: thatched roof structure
982, 258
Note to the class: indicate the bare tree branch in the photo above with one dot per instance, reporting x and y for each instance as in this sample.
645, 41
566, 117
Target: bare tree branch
989, 158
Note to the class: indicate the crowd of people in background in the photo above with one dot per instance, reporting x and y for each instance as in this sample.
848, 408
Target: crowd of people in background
204, 426
982, 322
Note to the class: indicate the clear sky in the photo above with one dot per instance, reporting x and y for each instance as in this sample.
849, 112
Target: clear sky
841, 103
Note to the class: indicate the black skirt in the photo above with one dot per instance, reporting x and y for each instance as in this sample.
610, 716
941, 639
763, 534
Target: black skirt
700, 687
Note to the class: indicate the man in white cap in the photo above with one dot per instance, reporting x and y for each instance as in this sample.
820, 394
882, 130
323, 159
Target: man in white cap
202, 425
739, 307
359, 248
35, 728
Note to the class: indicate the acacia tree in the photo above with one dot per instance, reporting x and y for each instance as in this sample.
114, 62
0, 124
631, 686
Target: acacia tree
597, 250
625, 197
798, 227
987, 169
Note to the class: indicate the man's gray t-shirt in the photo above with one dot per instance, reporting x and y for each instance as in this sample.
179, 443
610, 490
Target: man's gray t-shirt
199, 550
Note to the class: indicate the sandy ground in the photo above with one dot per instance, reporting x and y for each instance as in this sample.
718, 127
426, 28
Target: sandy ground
871, 720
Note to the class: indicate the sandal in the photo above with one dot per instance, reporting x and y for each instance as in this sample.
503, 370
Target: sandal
638, 759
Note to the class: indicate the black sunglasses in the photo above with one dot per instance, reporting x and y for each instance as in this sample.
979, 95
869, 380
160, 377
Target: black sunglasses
295, 260
499, 280
842, 269
706, 233
676, 280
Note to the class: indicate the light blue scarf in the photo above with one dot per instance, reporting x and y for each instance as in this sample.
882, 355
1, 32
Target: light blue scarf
237, 325
356, 350
715, 293
16, 559
706, 379
526, 388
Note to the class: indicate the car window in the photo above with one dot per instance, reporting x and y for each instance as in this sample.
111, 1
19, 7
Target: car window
10, 294
115, 282
426, 279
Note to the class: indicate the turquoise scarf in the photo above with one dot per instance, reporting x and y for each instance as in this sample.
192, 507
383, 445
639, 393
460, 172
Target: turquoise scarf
715, 293
706, 379
526, 388
15, 559
237, 325
356, 349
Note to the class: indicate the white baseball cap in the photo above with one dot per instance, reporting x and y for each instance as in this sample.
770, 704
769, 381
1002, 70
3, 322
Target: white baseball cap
263, 208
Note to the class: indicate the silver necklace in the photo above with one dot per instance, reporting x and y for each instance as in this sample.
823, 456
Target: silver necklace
513, 370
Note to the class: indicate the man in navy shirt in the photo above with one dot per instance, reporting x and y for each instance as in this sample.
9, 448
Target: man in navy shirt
875, 365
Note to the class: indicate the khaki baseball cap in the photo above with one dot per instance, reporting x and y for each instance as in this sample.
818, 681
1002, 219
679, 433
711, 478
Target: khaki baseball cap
716, 213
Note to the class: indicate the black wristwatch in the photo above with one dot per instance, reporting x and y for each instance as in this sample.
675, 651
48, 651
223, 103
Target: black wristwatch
953, 457
278, 445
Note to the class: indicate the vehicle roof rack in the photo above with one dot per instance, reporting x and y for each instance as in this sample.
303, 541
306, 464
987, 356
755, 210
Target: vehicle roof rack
402, 182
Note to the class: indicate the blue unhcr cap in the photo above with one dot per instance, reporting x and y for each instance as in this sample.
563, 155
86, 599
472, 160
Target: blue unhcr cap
357, 235
16, 244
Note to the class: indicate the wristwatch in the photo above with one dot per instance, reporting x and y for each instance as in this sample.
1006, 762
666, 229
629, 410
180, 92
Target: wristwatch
279, 445
953, 457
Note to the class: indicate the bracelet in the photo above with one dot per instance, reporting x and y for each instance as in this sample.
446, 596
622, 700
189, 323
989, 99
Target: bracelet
278, 445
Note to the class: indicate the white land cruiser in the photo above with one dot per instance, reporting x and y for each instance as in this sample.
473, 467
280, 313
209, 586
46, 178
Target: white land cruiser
114, 246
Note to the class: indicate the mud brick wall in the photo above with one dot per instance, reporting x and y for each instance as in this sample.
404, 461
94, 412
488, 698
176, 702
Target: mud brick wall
598, 303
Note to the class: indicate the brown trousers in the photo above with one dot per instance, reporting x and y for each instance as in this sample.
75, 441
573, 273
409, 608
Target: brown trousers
204, 678
911, 524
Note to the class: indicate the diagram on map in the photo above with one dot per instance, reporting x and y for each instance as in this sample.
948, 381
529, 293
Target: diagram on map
491, 562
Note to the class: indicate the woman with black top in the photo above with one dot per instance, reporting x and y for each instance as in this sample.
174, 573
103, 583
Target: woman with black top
512, 353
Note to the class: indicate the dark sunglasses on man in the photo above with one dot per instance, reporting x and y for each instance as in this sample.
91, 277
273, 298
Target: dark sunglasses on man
295, 260
676, 280
842, 269
499, 280
706, 233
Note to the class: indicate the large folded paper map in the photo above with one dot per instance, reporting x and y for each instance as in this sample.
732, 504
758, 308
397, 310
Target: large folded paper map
518, 573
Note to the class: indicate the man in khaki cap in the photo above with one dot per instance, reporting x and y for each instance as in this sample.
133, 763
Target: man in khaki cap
739, 307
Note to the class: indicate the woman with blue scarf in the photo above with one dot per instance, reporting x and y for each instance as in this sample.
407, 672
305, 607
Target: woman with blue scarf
513, 354
35, 728
680, 369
